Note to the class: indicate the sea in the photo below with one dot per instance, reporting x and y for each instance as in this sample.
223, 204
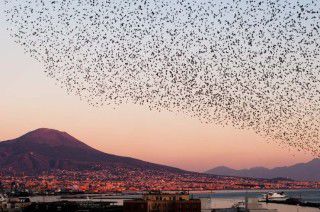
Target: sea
312, 195
225, 199
209, 199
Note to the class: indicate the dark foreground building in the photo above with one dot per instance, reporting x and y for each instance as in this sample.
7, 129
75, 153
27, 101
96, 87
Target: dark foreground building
66, 206
157, 202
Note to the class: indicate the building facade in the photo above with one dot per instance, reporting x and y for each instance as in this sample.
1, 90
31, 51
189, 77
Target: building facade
158, 202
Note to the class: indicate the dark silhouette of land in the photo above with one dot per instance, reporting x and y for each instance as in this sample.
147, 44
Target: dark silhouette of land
302, 171
47, 150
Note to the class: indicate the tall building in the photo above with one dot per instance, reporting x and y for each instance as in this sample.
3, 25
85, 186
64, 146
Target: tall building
163, 202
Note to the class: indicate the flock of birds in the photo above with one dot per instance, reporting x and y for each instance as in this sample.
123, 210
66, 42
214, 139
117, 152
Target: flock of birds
252, 64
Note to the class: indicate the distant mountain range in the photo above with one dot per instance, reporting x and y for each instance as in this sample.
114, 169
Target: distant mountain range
302, 171
47, 149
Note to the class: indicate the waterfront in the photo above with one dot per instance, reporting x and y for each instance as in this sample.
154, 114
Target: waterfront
209, 199
225, 199
306, 195
226, 203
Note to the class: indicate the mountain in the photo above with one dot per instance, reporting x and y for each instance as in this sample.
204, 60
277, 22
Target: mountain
47, 149
303, 171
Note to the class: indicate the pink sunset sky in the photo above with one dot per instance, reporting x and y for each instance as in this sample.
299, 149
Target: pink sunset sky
29, 100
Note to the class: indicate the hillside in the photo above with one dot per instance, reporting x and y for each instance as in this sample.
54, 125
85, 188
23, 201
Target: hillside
47, 149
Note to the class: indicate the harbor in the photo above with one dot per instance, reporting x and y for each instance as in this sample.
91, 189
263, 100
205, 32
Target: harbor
215, 201
306, 200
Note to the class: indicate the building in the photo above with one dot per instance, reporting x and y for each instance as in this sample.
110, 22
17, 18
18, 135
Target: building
73, 206
14, 204
160, 202
253, 205
250, 205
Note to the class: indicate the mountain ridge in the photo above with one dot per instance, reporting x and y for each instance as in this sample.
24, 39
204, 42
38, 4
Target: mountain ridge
300, 171
46, 149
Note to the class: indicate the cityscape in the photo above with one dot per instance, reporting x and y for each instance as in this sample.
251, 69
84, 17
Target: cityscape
39, 174
159, 106
126, 181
